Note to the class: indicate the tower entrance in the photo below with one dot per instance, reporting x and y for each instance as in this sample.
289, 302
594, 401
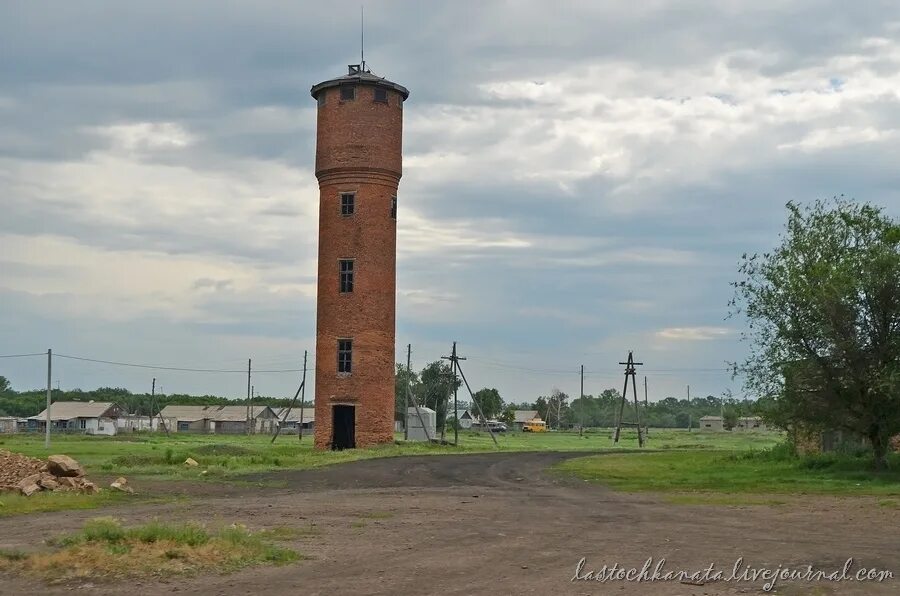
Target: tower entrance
343, 425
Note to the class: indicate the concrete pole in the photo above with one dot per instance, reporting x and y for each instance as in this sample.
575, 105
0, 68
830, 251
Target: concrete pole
49, 397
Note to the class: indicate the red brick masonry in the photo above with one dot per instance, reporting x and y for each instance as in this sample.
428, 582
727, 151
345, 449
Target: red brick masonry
358, 149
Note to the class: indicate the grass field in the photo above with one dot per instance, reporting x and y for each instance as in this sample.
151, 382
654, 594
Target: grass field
685, 464
736, 472
224, 456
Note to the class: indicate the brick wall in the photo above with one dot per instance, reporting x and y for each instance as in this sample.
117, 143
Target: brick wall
358, 150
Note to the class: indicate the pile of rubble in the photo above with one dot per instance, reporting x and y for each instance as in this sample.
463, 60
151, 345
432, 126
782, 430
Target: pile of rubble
28, 475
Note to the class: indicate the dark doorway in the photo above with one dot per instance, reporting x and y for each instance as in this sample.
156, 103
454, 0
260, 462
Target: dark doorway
343, 429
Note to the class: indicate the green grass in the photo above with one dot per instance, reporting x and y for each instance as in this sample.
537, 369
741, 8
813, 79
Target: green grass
747, 472
15, 504
228, 456
106, 548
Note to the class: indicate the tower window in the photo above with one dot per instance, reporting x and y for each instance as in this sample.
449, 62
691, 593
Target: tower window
345, 355
381, 95
348, 203
348, 92
346, 274
394, 207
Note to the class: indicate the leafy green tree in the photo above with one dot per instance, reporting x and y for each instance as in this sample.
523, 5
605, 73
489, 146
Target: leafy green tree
509, 415
4, 384
490, 401
824, 315
436, 389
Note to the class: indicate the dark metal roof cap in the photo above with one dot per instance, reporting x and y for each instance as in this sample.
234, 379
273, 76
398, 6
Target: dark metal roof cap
358, 74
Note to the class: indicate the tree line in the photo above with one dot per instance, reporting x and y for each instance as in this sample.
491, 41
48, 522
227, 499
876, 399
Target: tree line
23, 404
433, 388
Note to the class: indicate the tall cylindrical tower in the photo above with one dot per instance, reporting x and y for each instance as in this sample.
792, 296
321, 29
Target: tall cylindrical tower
358, 164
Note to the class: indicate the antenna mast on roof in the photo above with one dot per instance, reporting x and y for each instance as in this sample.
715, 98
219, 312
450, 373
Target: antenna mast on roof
362, 38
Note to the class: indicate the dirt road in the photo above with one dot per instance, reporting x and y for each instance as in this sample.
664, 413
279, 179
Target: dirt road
493, 524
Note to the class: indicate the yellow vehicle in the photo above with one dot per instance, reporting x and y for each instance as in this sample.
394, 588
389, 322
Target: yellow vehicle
535, 425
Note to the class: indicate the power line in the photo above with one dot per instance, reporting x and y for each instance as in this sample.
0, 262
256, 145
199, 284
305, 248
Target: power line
175, 368
598, 372
23, 355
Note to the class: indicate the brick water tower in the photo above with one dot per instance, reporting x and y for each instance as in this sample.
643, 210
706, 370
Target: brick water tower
358, 164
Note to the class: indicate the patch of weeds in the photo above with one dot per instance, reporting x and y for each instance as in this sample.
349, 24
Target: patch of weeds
188, 534
105, 548
136, 461
889, 503
289, 533
12, 555
222, 449
358, 524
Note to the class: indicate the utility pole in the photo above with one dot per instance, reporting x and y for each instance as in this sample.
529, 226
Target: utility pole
646, 407
455, 408
406, 394
581, 403
49, 397
302, 399
690, 421
630, 372
249, 364
454, 358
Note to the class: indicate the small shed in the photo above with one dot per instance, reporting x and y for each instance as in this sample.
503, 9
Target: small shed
751, 423
416, 431
8, 424
712, 423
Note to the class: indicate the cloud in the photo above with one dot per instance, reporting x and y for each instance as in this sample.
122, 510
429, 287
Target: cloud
694, 333
576, 181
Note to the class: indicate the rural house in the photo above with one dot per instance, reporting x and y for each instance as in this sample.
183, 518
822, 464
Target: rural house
465, 418
220, 419
523, 416
88, 417
712, 423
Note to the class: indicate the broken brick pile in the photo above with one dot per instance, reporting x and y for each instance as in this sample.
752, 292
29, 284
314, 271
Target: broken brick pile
28, 475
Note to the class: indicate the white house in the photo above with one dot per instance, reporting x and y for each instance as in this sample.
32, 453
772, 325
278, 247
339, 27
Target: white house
465, 418
88, 417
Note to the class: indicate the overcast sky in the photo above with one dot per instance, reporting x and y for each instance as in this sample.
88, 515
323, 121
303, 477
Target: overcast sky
580, 179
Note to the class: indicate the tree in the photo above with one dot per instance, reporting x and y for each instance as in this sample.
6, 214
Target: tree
436, 388
4, 384
509, 415
824, 322
556, 407
490, 401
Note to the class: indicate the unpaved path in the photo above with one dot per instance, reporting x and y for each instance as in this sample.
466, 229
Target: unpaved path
490, 524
